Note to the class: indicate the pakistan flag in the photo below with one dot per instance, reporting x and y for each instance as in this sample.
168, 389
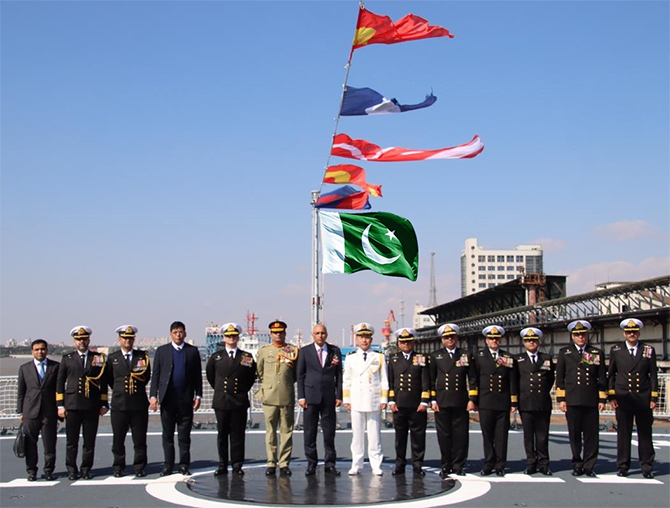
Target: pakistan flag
377, 241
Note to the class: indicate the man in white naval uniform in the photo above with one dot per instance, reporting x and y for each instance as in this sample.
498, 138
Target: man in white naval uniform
365, 388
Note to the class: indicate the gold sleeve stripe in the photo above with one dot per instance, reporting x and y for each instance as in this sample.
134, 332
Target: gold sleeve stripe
385, 394
610, 392
425, 395
654, 394
392, 393
59, 396
103, 396
433, 393
602, 395
346, 394
515, 398
560, 392
474, 392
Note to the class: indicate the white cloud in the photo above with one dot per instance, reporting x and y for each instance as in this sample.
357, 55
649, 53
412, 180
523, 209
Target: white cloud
625, 231
550, 245
583, 280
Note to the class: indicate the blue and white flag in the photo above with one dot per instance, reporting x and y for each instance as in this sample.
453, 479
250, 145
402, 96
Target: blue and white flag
365, 101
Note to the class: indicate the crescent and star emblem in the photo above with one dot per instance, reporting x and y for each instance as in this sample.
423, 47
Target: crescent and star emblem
371, 253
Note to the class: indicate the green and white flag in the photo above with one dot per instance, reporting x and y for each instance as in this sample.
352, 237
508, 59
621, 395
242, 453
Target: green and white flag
377, 241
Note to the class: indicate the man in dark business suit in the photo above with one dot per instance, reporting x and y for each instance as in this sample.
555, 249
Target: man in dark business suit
36, 403
319, 393
176, 384
81, 395
128, 373
536, 378
231, 372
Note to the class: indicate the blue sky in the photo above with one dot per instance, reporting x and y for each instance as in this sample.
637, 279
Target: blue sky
158, 157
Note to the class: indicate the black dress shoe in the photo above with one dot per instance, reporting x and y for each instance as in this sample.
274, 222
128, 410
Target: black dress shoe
32, 477
546, 471
221, 471
118, 473
86, 475
398, 471
647, 474
238, 471
270, 471
419, 471
285, 471
459, 472
486, 472
311, 470
72, 476
49, 476
332, 470
140, 473
590, 473
622, 472
500, 472
184, 470
530, 470
577, 472
444, 474
166, 471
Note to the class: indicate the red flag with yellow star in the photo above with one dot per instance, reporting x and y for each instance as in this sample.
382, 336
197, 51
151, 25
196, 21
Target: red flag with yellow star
375, 29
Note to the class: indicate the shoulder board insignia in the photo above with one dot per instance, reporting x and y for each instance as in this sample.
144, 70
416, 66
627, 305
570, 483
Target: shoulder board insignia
616, 348
351, 353
520, 359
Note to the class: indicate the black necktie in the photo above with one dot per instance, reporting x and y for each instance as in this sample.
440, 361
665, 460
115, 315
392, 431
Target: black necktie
83, 360
365, 356
632, 352
128, 359
232, 355
451, 354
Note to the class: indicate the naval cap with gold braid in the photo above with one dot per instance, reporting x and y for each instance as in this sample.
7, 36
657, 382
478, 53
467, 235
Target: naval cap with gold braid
631, 325
231, 329
277, 326
126, 331
405, 334
531, 333
364, 329
81, 332
579, 326
493, 332
447, 330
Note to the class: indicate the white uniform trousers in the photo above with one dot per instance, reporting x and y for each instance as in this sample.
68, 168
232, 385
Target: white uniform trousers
360, 420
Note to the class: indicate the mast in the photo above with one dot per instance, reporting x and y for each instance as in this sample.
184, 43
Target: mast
316, 263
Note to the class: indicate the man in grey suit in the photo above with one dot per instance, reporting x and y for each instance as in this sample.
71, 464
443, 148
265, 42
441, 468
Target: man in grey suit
176, 384
36, 403
319, 393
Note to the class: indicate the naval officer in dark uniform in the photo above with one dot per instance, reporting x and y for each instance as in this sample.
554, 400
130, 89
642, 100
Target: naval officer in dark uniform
581, 381
231, 372
409, 396
498, 396
633, 393
536, 378
81, 394
453, 382
128, 375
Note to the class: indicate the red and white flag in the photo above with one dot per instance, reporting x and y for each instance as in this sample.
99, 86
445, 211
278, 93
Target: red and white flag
344, 146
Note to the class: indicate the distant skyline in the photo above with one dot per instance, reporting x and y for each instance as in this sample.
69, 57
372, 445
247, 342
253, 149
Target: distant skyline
157, 157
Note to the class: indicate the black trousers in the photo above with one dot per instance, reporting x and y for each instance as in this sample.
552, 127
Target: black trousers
644, 420
311, 415
495, 431
46, 425
536, 437
231, 425
452, 425
583, 424
87, 423
176, 411
408, 419
137, 422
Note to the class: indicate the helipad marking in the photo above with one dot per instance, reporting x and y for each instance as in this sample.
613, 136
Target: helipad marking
509, 478
22, 482
167, 491
613, 478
